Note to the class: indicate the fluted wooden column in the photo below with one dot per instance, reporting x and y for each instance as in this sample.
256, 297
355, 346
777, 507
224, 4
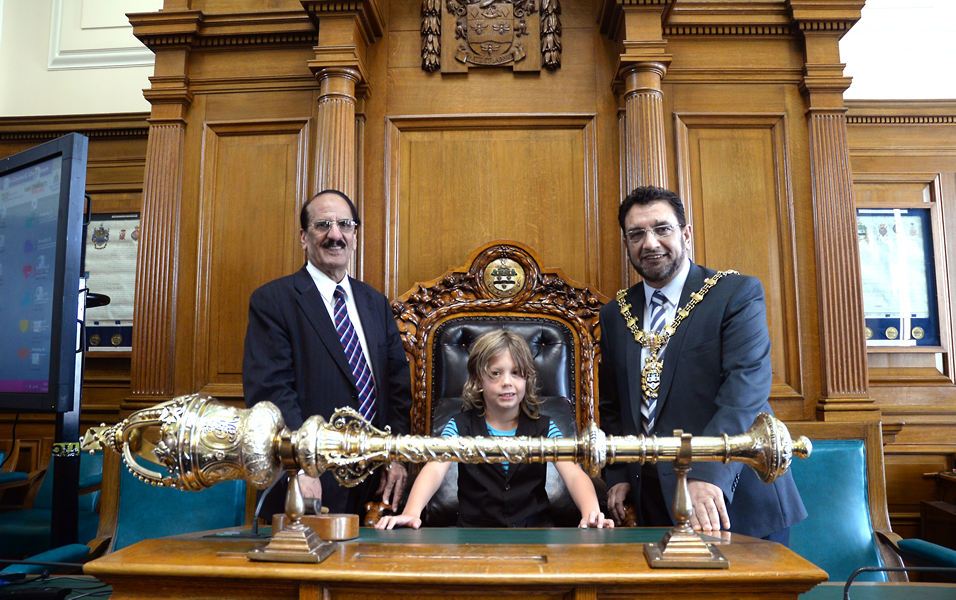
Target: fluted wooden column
645, 159
839, 281
844, 393
335, 142
154, 316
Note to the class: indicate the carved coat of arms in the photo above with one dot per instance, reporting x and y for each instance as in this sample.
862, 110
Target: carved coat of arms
458, 34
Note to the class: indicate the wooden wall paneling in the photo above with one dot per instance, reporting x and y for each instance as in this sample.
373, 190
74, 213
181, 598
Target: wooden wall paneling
735, 183
154, 311
908, 482
457, 182
610, 122
902, 152
254, 181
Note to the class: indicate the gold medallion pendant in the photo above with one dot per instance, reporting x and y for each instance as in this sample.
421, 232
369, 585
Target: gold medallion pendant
651, 376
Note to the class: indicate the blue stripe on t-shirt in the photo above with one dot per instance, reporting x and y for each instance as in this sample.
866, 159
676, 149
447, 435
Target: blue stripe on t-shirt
451, 430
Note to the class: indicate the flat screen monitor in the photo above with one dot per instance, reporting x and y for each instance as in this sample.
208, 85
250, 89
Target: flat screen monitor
41, 237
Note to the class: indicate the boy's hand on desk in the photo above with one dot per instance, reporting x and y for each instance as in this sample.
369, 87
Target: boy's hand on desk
398, 521
596, 520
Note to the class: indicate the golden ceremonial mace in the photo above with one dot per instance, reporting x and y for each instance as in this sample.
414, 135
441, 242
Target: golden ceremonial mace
203, 442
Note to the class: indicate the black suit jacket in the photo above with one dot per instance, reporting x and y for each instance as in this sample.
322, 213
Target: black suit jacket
716, 379
294, 358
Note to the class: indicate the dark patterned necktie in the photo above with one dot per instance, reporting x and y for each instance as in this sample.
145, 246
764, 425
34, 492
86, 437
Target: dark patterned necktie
353, 351
658, 313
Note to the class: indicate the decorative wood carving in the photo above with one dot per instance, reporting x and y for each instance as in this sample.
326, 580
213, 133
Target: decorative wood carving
843, 369
464, 291
522, 34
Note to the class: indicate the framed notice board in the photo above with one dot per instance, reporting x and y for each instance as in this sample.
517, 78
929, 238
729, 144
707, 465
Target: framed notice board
112, 241
899, 277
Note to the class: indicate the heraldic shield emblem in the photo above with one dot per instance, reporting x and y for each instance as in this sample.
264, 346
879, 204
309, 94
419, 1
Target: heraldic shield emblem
504, 277
490, 34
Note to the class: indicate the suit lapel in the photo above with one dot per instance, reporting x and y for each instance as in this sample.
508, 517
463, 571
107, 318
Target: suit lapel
635, 297
695, 280
313, 306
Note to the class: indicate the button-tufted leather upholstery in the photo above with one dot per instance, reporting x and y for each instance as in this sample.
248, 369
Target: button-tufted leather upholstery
551, 343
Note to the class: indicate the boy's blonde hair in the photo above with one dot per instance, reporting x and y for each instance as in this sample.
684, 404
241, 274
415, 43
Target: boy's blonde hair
485, 349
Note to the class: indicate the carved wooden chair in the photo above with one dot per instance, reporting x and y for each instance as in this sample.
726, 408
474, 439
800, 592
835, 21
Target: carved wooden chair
501, 286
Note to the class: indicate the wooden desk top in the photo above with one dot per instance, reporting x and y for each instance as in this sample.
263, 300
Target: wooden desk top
440, 561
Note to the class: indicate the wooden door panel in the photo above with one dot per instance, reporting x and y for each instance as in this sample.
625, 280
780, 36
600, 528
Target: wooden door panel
456, 187
734, 179
253, 184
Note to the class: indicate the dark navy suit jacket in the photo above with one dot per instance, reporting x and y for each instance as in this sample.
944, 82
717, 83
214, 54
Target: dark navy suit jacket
716, 379
294, 358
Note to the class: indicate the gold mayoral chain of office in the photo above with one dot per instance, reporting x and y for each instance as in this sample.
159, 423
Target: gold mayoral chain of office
653, 365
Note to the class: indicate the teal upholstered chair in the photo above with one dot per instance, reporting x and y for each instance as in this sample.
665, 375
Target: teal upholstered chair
921, 553
26, 532
19, 483
133, 511
70, 553
843, 487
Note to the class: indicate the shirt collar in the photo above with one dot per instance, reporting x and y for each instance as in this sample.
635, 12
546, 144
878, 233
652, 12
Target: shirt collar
326, 285
673, 288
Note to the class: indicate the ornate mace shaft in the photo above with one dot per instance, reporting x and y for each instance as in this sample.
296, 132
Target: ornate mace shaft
203, 442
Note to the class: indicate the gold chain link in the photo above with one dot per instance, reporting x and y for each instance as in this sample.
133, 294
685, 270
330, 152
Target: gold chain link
656, 341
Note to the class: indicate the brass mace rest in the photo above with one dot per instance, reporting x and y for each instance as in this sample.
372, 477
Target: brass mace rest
203, 442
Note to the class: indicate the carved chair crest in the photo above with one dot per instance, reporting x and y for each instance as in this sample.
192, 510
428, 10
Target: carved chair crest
502, 279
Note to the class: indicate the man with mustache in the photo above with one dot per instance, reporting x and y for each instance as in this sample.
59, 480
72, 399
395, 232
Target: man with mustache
707, 373
319, 340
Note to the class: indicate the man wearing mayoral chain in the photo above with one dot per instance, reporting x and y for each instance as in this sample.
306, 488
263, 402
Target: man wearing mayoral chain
687, 348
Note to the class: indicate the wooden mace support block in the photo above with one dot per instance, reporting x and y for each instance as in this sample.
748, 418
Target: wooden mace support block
332, 527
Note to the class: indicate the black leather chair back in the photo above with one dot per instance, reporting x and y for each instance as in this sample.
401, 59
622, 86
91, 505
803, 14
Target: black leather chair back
551, 343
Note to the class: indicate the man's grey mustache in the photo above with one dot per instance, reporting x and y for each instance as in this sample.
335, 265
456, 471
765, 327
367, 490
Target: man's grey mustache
331, 244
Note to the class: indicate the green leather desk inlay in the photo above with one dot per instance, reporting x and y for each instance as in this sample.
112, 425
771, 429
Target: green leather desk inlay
454, 535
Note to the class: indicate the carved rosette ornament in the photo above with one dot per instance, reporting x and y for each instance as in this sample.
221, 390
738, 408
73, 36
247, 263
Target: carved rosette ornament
523, 34
504, 279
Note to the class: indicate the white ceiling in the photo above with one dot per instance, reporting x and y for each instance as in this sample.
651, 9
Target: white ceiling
902, 49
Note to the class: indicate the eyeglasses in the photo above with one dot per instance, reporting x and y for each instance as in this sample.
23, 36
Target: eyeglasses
636, 236
344, 225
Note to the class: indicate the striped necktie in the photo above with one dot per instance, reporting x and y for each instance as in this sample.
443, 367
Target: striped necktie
658, 314
353, 351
